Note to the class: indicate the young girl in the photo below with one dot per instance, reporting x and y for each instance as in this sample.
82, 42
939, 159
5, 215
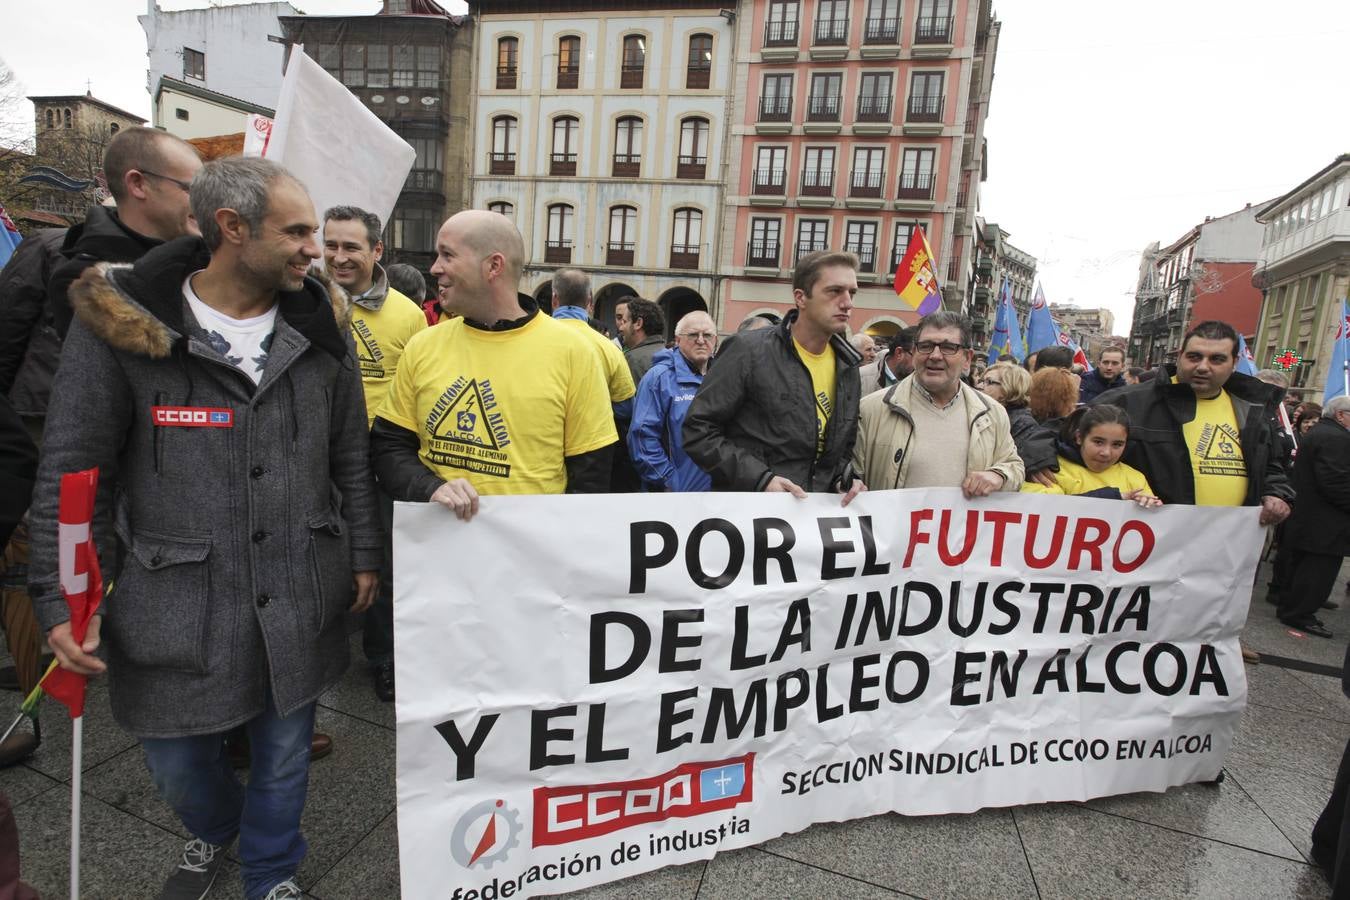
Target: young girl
1091, 442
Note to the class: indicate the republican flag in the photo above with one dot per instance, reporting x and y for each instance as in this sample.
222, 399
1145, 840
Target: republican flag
1245, 364
1007, 336
916, 280
81, 580
1338, 376
9, 236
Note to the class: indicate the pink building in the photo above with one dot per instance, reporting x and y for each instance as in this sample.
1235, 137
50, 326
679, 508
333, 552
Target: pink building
854, 121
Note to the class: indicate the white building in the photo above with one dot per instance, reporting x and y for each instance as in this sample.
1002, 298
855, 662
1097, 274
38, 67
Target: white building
223, 50
601, 134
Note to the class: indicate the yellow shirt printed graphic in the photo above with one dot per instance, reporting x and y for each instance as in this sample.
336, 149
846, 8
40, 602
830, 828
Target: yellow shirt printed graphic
1216, 453
821, 367
380, 337
502, 408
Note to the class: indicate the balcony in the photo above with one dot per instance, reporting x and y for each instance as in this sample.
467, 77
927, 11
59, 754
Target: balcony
501, 164
897, 255
867, 256
762, 255
882, 30
866, 183
684, 256
822, 114
932, 36
627, 165
697, 77
805, 247
562, 164
425, 180
817, 183
925, 108
620, 254
506, 78
830, 39
916, 186
569, 76
775, 115
630, 76
693, 167
768, 186
780, 34
559, 252
874, 108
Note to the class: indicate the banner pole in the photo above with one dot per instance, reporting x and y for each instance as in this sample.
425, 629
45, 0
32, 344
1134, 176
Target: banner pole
76, 771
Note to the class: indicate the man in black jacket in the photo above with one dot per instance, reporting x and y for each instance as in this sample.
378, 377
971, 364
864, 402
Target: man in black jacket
1317, 535
1108, 375
779, 410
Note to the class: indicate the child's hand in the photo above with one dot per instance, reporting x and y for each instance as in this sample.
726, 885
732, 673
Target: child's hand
1148, 501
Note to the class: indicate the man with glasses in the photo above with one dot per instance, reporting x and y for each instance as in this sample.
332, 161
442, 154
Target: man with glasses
655, 439
931, 429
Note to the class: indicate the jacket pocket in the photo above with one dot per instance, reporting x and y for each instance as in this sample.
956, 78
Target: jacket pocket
159, 611
330, 561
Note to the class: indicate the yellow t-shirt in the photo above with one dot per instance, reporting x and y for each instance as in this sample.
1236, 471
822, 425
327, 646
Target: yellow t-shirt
1215, 447
380, 337
617, 373
502, 408
821, 367
1073, 479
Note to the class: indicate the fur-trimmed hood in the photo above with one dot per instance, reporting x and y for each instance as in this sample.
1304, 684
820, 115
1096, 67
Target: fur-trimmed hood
139, 308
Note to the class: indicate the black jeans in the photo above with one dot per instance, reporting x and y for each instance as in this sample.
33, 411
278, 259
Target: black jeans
1311, 579
377, 636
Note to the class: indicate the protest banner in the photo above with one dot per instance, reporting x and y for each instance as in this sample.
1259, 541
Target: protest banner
591, 687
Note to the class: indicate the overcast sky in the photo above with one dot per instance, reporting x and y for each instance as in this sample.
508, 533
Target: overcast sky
1110, 126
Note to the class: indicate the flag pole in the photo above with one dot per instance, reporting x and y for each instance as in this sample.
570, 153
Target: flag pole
76, 773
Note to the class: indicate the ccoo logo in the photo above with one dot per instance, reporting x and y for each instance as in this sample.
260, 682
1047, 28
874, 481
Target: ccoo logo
485, 834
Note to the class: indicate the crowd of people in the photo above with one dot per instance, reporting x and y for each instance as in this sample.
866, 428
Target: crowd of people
240, 548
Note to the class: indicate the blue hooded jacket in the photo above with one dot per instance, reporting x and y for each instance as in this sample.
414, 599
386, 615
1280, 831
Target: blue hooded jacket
656, 439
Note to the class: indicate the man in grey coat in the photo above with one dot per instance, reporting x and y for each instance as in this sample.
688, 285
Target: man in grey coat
214, 386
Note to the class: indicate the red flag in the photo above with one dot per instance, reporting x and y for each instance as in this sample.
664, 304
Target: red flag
81, 580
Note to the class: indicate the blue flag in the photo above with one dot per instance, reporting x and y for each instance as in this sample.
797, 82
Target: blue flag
1245, 364
1042, 331
1339, 373
1007, 337
9, 237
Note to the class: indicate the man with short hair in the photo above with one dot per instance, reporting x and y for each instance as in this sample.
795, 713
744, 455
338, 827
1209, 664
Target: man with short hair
213, 386
642, 328
407, 281
932, 429
383, 320
779, 410
865, 345
1052, 358
1109, 374
501, 399
896, 363
656, 437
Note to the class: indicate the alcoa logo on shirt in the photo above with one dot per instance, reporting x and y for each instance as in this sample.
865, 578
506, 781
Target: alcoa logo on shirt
192, 416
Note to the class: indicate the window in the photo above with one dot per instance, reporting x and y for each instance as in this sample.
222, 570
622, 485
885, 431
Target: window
508, 54
65, 114
113, 128
765, 243
180, 114
330, 57
397, 7
428, 164
558, 244
405, 74
51, 118
354, 65
564, 158
874, 97
868, 172
415, 229
503, 157
860, 239
916, 175
429, 67
832, 22
627, 147
775, 101
622, 236
780, 28
698, 74
903, 230
693, 162
823, 101
569, 62
925, 97
686, 239
634, 61
377, 66
502, 208
811, 236
882, 25
934, 22
818, 173
194, 64
770, 170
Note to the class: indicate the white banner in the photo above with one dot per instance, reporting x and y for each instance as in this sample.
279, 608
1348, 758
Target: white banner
257, 134
593, 687
340, 150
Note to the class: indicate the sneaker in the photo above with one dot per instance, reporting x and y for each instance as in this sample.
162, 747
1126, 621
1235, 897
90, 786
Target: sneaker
287, 890
194, 876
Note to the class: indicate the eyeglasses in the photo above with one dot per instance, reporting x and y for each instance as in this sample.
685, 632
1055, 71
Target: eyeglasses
926, 348
706, 337
185, 185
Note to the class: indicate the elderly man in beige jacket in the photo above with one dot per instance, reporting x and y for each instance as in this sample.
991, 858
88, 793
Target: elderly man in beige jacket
931, 430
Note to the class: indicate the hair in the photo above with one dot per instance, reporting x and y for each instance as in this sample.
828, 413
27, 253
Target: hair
757, 321
807, 271
1016, 383
687, 317
1008, 358
942, 320
1112, 349
239, 183
407, 281
1273, 376
653, 322
1212, 330
1052, 395
1081, 421
356, 214
1308, 410
136, 148
1135, 372
903, 340
1147, 375
571, 287
1054, 358
857, 340
1340, 403
1030, 362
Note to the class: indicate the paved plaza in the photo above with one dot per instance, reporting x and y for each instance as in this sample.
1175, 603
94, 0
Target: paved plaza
1248, 837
